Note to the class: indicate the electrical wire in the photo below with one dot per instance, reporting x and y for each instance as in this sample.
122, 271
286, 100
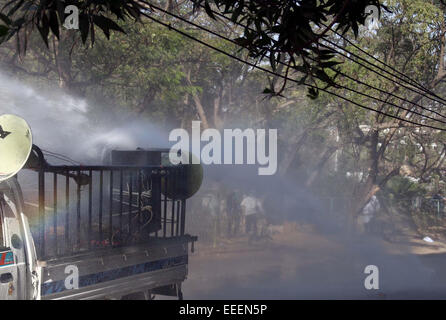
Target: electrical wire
383, 63
60, 157
443, 101
170, 27
343, 87
353, 79
414, 83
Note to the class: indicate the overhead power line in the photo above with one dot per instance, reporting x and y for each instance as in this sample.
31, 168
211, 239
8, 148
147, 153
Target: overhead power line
290, 79
443, 101
388, 93
169, 26
368, 68
417, 84
413, 82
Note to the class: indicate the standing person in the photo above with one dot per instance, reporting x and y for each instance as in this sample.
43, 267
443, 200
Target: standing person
252, 209
211, 204
438, 202
233, 212
214, 205
368, 213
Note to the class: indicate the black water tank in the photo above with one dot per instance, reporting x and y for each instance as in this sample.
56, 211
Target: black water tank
140, 157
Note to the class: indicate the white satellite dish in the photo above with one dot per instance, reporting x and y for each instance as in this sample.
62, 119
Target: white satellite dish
15, 145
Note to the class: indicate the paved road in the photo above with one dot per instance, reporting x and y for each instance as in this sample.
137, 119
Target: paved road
315, 268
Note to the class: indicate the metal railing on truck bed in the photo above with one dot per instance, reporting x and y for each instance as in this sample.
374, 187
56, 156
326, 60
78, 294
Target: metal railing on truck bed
87, 208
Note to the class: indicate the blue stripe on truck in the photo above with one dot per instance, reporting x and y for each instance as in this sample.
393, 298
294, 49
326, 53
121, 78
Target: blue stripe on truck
95, 278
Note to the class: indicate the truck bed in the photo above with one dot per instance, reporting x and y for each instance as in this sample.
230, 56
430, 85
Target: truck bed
119, 206
112, 272
120, 229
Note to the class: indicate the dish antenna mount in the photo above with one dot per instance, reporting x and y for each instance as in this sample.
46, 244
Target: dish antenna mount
15, 145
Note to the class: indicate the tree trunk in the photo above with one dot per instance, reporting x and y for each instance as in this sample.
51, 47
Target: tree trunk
198, 105
320, 165
288, 157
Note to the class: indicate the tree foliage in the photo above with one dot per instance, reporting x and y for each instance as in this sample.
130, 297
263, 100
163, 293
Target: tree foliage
23, 16
153, 72
279, 31
291, 31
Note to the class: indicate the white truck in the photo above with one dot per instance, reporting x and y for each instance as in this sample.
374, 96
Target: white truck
95, 232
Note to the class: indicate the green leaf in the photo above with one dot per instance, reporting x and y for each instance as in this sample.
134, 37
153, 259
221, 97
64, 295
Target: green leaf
54, 23
3, 30
92, 36
44, 28
272, 61
106, 25
208, 10
355, 29
84, 26
60, 8
312, 93
15, 8
5, 19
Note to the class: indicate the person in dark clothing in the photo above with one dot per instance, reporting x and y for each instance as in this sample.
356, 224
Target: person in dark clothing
233, 212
